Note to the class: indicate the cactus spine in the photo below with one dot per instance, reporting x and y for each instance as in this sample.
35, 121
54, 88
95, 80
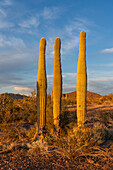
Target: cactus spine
57, 84
81, 80
41, 89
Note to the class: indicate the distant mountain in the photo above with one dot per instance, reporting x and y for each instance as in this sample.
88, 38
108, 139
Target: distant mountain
13, 96
72, 95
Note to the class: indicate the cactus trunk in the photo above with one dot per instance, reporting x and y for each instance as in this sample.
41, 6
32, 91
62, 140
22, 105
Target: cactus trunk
81, 81
57, 84
41, 89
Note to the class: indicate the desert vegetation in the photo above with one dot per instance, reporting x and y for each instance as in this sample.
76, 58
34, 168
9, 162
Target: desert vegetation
90, 146
57, 131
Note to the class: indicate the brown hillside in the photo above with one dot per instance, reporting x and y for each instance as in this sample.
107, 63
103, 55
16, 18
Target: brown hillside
72, 95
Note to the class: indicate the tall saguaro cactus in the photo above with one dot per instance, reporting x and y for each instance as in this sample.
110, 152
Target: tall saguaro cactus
57, 84
81, 80
41, 88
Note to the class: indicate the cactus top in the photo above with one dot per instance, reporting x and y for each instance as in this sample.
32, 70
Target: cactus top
42, 44
83, 34
41, 62
57, 43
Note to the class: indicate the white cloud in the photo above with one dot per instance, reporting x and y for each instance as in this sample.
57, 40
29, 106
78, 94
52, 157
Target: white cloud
108, 50
22, 90
69, 74
69, 87
50, 76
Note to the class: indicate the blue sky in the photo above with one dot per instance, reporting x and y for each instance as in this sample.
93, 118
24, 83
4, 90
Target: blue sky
24, 22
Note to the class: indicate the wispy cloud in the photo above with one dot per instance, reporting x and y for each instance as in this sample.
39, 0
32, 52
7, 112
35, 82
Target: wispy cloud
102, 65
2, 13
49, 13
68, 82
5, 24
100, 82
4, 17
30, 22
6, 2
69, 75
69, 44
107, 50
78, 24
69, 35
102, 87
50, 48
11, 42
68, 88
72, 30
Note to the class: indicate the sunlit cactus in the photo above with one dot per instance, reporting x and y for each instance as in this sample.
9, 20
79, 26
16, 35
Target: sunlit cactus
81, 81
52, 95
41, 89
57, 84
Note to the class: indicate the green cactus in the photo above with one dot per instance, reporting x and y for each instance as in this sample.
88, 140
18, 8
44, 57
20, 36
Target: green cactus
81, 80
41, 89
57, 84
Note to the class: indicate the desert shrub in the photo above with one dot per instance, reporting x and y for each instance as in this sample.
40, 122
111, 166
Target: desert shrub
64, 119
89, 101
49, 139
82, 139
32, 117
31, 132
105, 99
12, 110
105, 116
68, 102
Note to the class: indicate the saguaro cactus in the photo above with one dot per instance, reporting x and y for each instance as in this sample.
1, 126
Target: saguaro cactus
41, 88
81, 80
57, 84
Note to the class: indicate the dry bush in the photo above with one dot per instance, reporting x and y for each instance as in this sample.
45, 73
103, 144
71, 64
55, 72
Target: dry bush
31, 132
82, 139
105, 117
